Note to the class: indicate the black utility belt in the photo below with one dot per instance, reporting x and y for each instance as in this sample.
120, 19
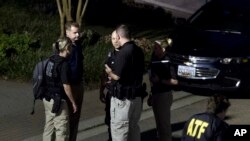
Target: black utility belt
127, 93
54, 95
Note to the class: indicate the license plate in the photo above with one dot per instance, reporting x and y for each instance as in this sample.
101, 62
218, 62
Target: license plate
186, 71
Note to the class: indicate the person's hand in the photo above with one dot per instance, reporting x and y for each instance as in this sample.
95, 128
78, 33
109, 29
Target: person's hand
74, 108
108, 69
102, 97
174, 81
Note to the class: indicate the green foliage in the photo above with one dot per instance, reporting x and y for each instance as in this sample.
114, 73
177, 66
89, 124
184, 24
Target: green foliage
26, 36
13, 44
17, 59
94, 58
42, 27
147, 47
20, 67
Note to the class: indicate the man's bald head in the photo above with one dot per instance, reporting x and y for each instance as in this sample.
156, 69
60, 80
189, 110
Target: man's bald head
123, 34
123, 31
114, 39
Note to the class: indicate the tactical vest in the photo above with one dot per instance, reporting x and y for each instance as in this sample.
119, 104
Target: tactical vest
52, 77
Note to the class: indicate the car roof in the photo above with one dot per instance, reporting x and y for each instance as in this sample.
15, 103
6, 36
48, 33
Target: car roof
232, 15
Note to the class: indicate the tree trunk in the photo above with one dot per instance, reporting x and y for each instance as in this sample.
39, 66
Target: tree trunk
81, 8
62, 23
65, 12
62, 17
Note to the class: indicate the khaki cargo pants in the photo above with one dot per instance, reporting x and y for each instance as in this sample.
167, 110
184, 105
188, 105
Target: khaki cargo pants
56, 125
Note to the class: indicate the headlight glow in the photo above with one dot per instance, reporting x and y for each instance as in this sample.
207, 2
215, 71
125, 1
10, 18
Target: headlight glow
235, 60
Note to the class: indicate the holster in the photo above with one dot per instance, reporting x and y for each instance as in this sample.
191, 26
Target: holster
57, 103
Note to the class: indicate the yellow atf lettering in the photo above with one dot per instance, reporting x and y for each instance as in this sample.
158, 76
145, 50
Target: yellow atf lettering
190, 128
196, 125
202, 130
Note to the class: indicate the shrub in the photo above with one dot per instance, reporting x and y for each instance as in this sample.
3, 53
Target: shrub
94, 59
147, 46
44, 28
26, 36
13, 44
17, 57
12, 47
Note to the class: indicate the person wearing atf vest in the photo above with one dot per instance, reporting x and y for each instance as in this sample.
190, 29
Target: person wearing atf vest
208, 126
58, 92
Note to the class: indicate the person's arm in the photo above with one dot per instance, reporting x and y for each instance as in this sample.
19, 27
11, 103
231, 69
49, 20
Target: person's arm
110, 73
67, 89
122, 57
102, 88
170, 81
65, 73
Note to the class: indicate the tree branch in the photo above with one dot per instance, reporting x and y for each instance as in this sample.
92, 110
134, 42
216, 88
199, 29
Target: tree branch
59, 7
69, 11
62, 17
84, 8
79, 8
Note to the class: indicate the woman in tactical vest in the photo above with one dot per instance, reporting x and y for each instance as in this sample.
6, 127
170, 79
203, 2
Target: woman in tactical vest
58, 91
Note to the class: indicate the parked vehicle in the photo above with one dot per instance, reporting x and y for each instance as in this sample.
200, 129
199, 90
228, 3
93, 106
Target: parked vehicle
211, 51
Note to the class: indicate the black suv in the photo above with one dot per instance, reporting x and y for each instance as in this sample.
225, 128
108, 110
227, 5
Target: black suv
211, 51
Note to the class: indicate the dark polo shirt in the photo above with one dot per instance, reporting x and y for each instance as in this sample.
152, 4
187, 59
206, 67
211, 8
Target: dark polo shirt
129, 64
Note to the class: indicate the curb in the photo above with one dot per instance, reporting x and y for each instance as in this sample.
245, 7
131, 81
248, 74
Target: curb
180, 100
99, 121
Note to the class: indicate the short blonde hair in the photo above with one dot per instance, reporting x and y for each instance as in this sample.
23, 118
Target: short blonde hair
62, 44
